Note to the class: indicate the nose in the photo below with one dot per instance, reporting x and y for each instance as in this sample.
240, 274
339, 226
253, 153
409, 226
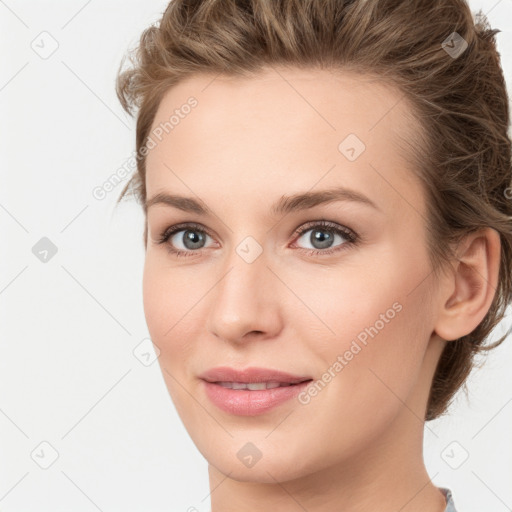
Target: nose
245, 302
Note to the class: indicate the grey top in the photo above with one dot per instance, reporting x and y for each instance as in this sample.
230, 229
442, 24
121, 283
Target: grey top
450, 505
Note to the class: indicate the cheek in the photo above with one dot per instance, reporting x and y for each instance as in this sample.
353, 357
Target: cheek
362, 299
167, 295
158, 305
380, 337
168, 307
375, 319
378, 345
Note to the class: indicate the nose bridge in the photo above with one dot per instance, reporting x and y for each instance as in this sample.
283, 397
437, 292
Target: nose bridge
244, 299
241, 288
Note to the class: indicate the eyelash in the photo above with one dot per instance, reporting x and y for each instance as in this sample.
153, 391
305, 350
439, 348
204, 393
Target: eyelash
349, 234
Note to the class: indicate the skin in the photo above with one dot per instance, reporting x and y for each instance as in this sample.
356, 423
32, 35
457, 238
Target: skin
357, 445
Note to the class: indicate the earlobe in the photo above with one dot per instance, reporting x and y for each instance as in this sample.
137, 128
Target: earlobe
470, 288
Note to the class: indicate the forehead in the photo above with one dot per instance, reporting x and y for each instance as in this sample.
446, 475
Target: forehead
259, 132
334, 100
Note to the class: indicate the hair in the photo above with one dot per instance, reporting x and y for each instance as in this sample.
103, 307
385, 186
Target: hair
463, 157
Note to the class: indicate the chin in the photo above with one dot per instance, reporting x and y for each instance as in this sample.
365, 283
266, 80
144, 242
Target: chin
271, 469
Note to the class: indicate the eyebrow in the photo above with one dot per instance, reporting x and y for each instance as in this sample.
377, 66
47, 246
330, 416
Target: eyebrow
285, 205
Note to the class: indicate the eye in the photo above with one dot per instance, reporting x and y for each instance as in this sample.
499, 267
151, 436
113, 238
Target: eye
190, 238
323, 235
184, 239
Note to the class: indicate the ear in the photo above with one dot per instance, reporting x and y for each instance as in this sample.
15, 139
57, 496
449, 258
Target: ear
468, 290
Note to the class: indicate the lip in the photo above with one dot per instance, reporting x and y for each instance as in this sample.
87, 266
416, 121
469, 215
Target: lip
251, 374
243, 402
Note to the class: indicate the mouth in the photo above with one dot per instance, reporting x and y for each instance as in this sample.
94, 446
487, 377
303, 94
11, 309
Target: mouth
258, 386
251, 391
241, 398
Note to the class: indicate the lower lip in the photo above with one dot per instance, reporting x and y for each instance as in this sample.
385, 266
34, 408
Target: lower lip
244, 402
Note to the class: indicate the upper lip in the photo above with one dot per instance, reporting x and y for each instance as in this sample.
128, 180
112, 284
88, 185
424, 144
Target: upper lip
252, 374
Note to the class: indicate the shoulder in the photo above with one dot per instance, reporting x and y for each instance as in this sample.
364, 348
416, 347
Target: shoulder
450, 505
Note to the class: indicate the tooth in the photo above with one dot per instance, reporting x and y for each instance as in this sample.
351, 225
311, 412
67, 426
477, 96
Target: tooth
256, 386
253, 386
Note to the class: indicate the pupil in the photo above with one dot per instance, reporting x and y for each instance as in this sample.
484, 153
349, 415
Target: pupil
323, 238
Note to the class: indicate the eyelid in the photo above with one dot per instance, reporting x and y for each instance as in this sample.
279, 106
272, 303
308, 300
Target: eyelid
326, 224
184, 226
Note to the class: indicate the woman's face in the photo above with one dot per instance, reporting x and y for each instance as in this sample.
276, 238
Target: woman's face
349, 304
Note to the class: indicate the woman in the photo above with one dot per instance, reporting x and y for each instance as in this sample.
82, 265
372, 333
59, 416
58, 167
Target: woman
326, 188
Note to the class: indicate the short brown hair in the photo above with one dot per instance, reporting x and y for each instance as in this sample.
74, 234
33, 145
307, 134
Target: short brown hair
464, 153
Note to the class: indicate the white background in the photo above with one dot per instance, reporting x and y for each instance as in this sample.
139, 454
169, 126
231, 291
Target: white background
68, 374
